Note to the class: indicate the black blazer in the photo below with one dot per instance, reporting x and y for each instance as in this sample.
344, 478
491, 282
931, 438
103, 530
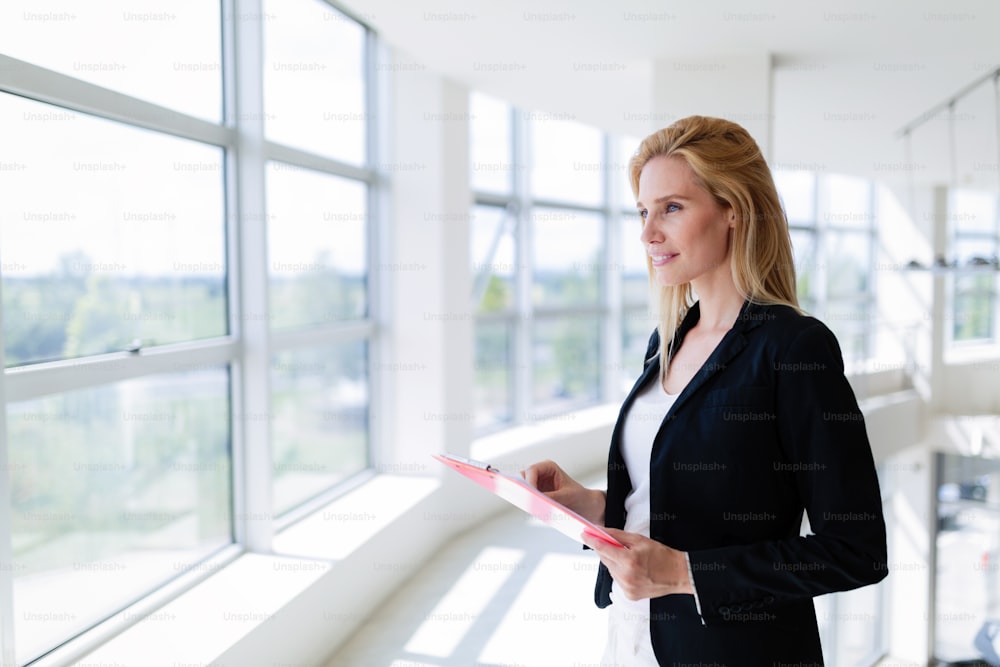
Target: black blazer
767, 428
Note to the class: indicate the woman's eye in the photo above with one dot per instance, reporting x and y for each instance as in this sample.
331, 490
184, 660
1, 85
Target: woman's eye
673, 207
643, 213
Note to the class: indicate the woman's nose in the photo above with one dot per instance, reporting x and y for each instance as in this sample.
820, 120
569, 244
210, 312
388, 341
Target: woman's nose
649, 234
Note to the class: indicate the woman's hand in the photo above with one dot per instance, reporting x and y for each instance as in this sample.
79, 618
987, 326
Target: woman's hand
645, 568
553, 481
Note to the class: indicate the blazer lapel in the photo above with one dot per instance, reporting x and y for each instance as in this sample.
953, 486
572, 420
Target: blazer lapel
731, 344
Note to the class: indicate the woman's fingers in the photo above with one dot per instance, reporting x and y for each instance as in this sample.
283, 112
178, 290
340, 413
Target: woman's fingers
645, 568
607, 551
545, 476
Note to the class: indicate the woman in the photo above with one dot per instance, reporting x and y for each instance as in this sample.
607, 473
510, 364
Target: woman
741, 421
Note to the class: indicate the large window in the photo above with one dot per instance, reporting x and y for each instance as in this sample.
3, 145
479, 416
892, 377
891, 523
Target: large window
186, 303
543, 249
318, 266
114, 237
494, 267
314, 80
638, 312
975, 237
115, 489
832, 223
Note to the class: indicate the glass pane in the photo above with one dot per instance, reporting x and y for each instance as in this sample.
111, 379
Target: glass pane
637, 327
493, 259
314, 83
974, 304
804, 251
566, 365
567, 161
317, 246
976, 251
566, 257
798, 194
847, 263
973, 211
115, 490
846, 201
635, 270
491, 144
850, 321
627, 146
319, 399
111, 234
968, 553
168, 53
494, 374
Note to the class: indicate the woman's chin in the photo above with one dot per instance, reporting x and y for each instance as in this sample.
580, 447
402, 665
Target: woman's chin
665, 279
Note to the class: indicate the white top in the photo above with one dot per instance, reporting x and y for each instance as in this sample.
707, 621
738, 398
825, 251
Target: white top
639, 430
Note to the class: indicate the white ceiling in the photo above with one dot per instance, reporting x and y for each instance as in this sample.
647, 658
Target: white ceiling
847, 75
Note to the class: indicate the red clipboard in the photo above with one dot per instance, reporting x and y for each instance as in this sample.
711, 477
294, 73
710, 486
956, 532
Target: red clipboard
519, 493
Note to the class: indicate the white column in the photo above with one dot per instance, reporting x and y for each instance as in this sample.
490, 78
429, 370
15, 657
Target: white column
425, 369
611, 276
939, 317
737, 88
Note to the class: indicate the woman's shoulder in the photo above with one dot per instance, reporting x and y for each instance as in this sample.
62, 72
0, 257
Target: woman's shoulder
790, 324
792, 336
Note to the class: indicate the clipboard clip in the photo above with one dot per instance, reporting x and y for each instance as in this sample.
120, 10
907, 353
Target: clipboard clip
474, 463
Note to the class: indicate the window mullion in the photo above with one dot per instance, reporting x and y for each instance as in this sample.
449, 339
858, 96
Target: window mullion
44, 85
378, 92
251, 378
25, 383
300, 159
871, 326
522, 384
820, 257
7, 565
612, 274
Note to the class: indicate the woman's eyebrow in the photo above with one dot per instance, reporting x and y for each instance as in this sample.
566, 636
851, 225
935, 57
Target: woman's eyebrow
660, 200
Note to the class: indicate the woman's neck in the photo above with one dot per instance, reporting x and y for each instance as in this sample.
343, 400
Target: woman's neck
719, 306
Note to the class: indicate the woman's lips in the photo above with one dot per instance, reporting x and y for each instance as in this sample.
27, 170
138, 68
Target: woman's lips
663, 258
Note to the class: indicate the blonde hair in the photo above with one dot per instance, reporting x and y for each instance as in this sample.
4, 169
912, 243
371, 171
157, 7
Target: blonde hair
727, 162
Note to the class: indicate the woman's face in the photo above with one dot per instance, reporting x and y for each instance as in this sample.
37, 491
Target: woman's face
685, 231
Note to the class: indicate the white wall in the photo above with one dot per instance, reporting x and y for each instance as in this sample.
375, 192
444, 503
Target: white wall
424, 371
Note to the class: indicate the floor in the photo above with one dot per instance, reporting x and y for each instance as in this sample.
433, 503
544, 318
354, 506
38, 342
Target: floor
510, 592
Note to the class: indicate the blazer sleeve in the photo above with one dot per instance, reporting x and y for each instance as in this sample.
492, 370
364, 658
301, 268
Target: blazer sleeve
822, 435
